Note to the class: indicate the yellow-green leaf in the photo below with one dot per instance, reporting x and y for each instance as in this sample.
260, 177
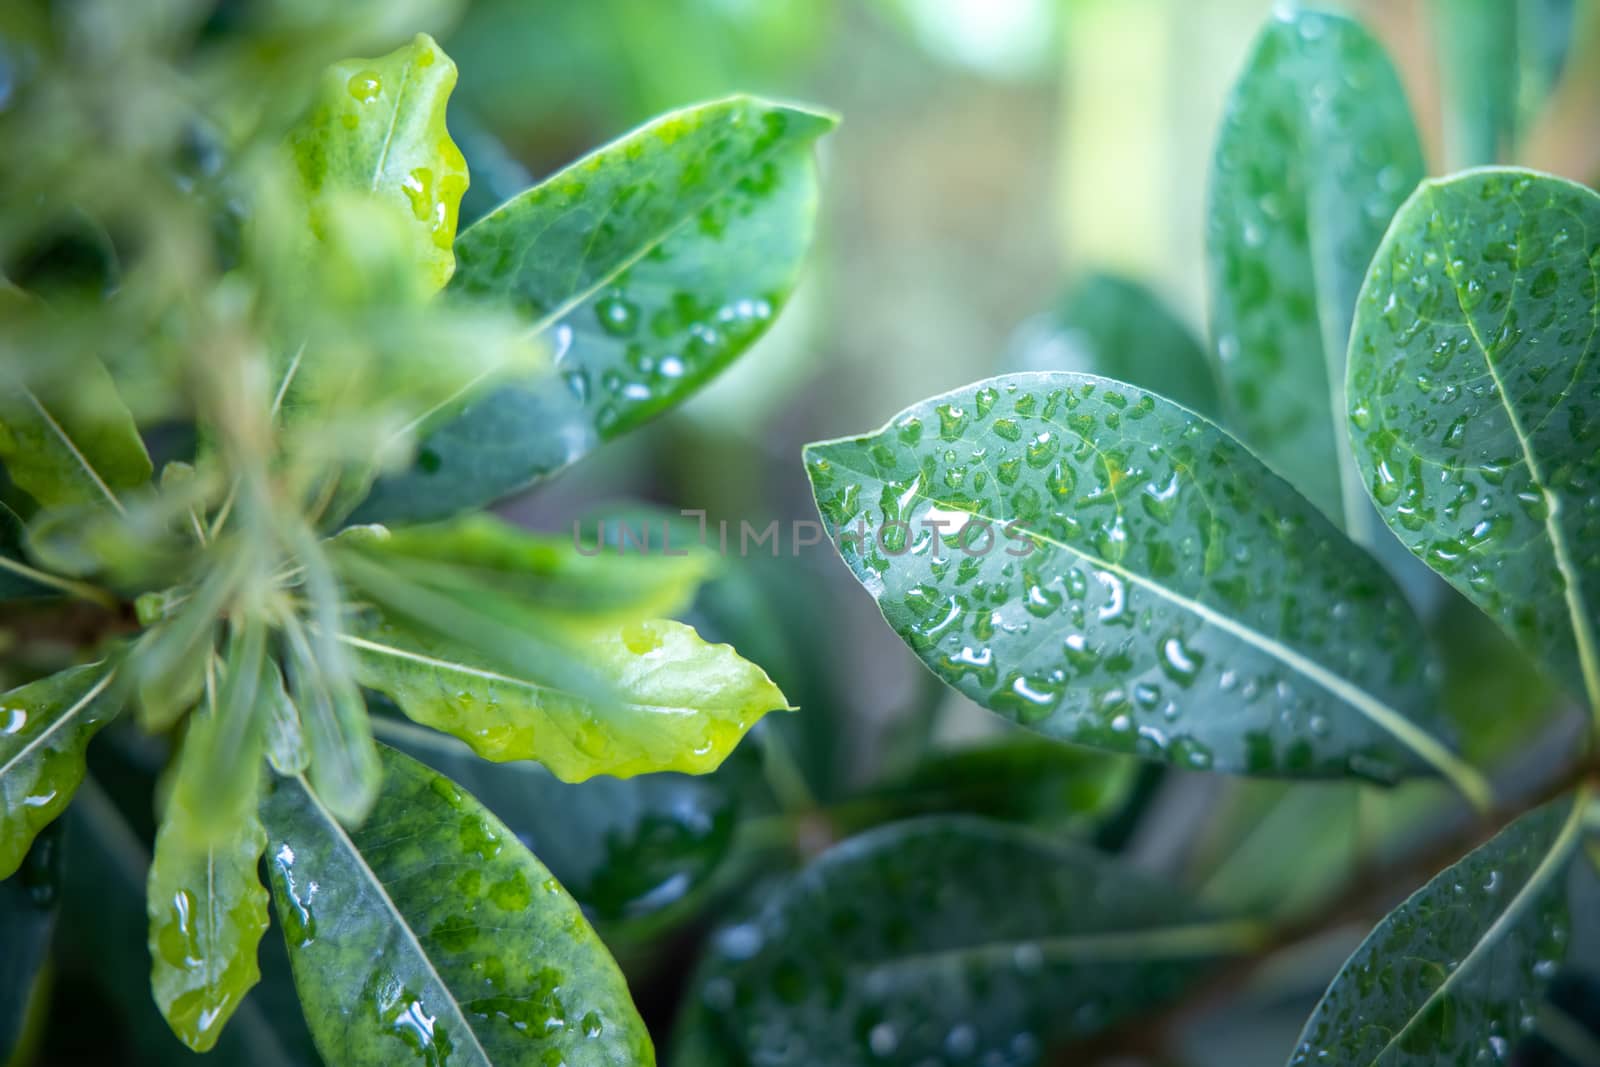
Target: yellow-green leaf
679, 703
378, 126
71, 445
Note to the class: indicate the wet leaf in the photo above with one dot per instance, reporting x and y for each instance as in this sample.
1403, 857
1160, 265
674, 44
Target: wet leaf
647, 266
1115, 571
480, 556
45, 726
676, 703
631, 851
1120, 329
208, 910
1449, 976
70, 442
890, 949
28, 908
1317, 150
103, 940
1475, 402
378, 127
434, 935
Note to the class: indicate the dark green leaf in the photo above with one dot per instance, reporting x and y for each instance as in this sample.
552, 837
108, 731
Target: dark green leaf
378, 127
1475, 402
1116, 571
1316, 152
432, 934
1119, 329
649, 266
27, 918
71, 442
629, 850
16, 575
45, 726
950, 937
1450, 975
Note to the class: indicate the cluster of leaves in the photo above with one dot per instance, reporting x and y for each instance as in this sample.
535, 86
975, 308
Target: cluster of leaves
1237, 565
265, 296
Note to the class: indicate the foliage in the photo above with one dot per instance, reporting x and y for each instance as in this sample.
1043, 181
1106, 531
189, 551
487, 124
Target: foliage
284, 312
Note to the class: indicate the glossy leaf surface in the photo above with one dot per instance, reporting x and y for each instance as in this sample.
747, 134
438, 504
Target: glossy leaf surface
648, 266
629, 850
208, 910
676, 703
1450, 975
433, 936
71, 443
1317, 150
891, 949
378, 127
45, 726
1119, 329
1148, 585
1475, 402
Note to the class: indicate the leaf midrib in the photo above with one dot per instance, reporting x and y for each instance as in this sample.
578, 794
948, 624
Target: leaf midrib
1390, 720
72, 449
69, 716
344, 840
1582, 635
1565, 841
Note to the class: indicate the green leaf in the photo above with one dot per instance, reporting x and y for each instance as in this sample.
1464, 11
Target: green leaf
103, 941
481, 556
1317, 150
632, 851
680, 704
1120, 329
17, 578
1449, 975
951, 937
45, 726
378, 127
432, 934
1475, 402
27, 919
1499, 59
218, 769
208, 910
649, 265
1116, 571
286, 741
1019, 779
71, 442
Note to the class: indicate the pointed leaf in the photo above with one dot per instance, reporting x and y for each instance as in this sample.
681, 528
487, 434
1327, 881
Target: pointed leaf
1115, 571
71, 442
286, 741
680, 705
484, 556
1317, 150
649, 265
342, 759
1475, 402
378, 127
1449, 976
45, 726
208, 910
432, 934
217, 770
951, 937
1119, 329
